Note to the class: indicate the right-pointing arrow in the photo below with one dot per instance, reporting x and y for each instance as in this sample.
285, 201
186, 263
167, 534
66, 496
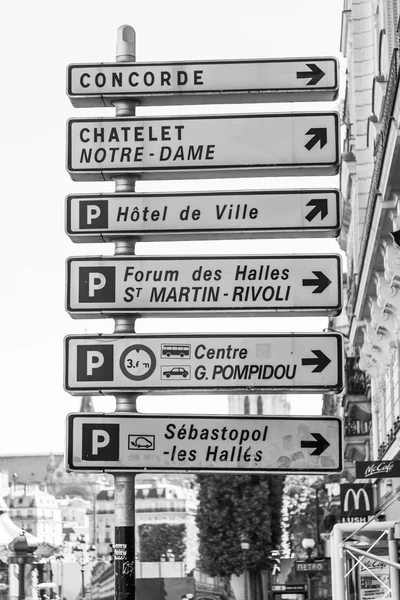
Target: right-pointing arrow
315, 74
320, 444
319, 134
321, 361
320, 207
321, 282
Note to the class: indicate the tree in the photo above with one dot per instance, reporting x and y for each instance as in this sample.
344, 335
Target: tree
156, 540
231, 505
300, 517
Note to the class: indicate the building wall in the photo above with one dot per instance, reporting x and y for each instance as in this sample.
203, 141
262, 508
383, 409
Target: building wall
38, 513
370, 185
158, 500
259, 404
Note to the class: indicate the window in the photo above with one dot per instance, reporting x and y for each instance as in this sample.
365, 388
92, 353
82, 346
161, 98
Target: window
246, 406
259, 406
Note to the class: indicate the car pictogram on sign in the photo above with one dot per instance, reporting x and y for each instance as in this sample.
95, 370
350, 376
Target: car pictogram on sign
141, 442
175, 372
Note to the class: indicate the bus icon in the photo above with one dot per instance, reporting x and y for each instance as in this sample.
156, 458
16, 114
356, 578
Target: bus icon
172, 351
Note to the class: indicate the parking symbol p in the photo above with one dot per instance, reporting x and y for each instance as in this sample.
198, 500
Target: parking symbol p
95, 362
93, 214
96, 284
100, 442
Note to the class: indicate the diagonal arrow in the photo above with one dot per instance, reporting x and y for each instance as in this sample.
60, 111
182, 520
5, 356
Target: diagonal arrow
321, 361
319, 134
315, 74
320, 444
320, 207
322, 282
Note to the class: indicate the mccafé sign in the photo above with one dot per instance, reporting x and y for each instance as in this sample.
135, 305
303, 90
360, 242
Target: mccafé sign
378, 469
356, 501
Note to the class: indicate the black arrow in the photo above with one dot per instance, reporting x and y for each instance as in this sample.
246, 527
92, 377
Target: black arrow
320, 444
319, 134
315, 74
320, 362
320, 206
322, 282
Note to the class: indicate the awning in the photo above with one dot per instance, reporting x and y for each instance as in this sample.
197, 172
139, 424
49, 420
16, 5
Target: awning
360, 411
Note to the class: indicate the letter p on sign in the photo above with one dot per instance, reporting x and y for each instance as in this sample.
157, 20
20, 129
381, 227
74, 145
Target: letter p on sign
96, 284
100, 442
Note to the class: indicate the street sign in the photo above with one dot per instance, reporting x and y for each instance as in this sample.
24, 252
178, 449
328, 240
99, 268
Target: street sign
200, 363
182, 443
204, 146
312, 566
204, 82
291, 587
204, 215
287, 285
378, 469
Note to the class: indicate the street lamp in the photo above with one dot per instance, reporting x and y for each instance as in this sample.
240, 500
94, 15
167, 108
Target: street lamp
308, 545
245, 546
84, 554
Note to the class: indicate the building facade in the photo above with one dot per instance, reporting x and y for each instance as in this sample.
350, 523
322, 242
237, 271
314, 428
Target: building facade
38, 513
258, 404
171, 500
370, 236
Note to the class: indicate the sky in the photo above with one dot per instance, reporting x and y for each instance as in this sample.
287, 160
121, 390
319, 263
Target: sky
38, 40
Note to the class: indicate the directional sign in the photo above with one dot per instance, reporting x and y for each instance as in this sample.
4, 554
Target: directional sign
203, 215
187, 286
204, 146
204, 82
194, 363
181, 443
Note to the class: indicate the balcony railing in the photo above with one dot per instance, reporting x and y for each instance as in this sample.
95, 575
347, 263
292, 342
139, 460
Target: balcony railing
390, 438
357, 381
379, 154
353, 427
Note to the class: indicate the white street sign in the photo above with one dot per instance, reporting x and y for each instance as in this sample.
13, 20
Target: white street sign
287, 285
204, 215
199, 363
204, 82
204, 146
188, 443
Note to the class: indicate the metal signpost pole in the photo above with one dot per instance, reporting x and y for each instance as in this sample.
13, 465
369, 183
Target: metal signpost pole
124, 498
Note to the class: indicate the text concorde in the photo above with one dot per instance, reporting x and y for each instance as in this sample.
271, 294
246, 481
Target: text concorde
194, 285
220, 215
204, 146
204, 82
217, 443
207, 362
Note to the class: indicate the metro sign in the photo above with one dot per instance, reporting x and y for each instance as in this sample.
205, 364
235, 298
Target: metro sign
204, 146
204, 82
194, 363
188, 443
313, 566
204, 215
189, 286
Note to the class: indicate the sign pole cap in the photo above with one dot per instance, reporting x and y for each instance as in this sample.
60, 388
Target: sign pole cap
126, 44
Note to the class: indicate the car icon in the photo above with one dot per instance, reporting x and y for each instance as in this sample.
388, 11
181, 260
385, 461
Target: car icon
176, 372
